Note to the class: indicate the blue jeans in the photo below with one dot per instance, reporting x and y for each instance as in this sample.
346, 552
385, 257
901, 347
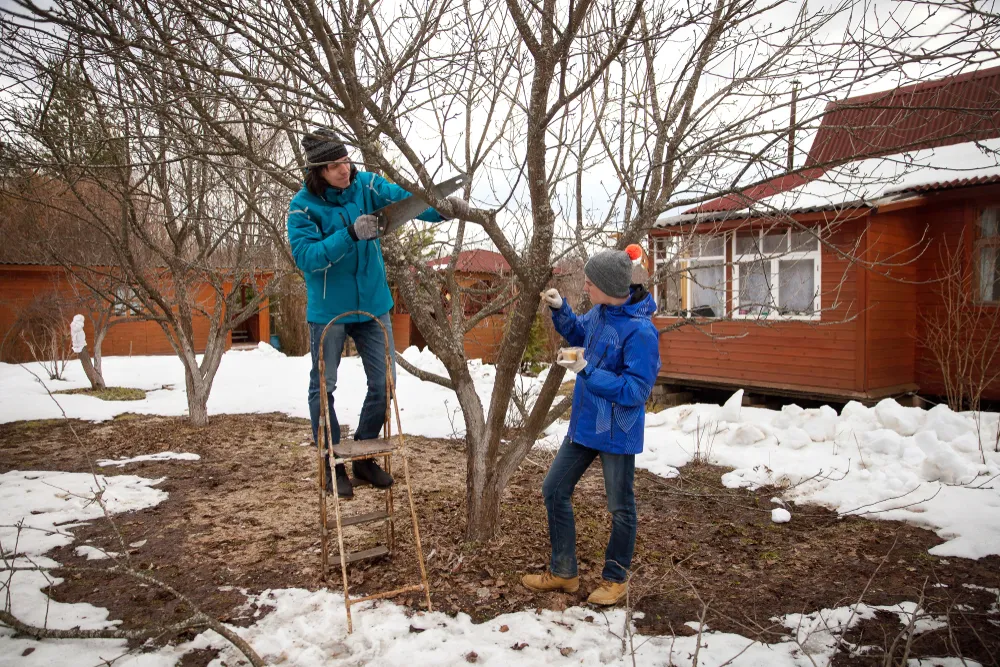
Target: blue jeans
369, 340
567, 469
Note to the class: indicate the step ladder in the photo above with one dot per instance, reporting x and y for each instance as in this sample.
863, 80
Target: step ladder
358, 450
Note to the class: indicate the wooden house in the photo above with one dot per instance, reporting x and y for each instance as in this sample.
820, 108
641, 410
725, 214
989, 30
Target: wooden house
483, 273
25, 285
822, 282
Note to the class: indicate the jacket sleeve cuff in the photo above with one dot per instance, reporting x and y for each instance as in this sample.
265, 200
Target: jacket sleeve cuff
351, 233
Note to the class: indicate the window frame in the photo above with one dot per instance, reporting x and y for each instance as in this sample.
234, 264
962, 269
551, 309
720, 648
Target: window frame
127, 302
689, 283
978, 245
772, 261
671, 245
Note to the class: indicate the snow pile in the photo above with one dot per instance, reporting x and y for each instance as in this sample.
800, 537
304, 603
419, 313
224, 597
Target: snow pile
890, 461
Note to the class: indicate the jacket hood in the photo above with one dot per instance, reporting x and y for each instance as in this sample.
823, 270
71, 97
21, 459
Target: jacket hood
640, 305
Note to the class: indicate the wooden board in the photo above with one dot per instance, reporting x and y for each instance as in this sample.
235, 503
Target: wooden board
355, 556
352, 449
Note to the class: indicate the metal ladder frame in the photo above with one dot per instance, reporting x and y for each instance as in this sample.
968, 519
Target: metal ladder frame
356, 452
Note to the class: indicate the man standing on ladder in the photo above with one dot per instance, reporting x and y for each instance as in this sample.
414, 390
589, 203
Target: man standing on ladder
334, 240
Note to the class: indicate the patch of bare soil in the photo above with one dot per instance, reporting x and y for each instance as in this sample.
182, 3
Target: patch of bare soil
245, 517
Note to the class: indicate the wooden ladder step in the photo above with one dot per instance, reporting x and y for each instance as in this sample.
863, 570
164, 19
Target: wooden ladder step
362, 449
355, 556
355, 519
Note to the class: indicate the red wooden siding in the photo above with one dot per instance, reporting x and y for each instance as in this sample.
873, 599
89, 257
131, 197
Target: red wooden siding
19, 285
891, 323
815, 357
951, 223
482, 342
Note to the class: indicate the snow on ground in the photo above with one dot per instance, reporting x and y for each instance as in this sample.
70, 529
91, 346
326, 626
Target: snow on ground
933, 468
308, 629
159, 456
38, 511
888, 462
248, 381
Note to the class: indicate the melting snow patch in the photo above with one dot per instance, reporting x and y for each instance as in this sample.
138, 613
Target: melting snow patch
162, 456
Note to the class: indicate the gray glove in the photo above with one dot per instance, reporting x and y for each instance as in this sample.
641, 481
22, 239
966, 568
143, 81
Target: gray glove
460, 206
365, 228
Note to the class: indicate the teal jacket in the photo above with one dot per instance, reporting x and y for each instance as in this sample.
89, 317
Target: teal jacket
343, 274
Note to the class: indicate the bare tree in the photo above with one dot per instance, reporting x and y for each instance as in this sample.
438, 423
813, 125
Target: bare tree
573, 120
960, 331
186, 227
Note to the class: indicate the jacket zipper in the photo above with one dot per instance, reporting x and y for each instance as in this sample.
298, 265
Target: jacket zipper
357, 285
613, 406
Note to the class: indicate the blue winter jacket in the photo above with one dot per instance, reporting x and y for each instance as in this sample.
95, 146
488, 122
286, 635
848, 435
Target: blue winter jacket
623, 358
343, 274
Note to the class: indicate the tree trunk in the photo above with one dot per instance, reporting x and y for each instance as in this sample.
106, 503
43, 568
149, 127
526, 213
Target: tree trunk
96, 381
483, 511
197, 399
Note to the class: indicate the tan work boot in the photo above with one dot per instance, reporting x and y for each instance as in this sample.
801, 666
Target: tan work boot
608, 593
547, 581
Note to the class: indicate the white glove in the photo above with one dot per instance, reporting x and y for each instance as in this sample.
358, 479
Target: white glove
551, 298
576, 365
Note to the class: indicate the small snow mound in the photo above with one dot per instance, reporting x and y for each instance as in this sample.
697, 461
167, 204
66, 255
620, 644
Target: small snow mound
161, 456
902, 420
745, 434
855, 410
730, 412
93, 553
793, 438
947, 425
266, 350
780, 515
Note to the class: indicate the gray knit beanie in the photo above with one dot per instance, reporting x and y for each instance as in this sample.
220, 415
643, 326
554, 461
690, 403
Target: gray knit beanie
611, 272
323, 146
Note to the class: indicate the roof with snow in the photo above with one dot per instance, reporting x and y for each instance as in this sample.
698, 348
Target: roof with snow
906, 140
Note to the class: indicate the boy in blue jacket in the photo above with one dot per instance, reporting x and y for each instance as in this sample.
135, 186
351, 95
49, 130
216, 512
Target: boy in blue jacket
334, 240
614, 378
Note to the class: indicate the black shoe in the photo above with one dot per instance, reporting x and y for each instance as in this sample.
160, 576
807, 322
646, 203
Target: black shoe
344, 487
370, 471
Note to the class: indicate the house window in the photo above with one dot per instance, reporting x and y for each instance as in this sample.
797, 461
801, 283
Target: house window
126, 301
705, 276
988, 255
667, 276
690, 275
776, 274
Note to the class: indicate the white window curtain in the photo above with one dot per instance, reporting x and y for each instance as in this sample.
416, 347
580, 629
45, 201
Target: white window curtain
708, 288
796, 286
776, 274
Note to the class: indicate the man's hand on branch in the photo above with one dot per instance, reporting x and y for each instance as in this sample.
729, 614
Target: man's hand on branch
365, 228
552, 299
